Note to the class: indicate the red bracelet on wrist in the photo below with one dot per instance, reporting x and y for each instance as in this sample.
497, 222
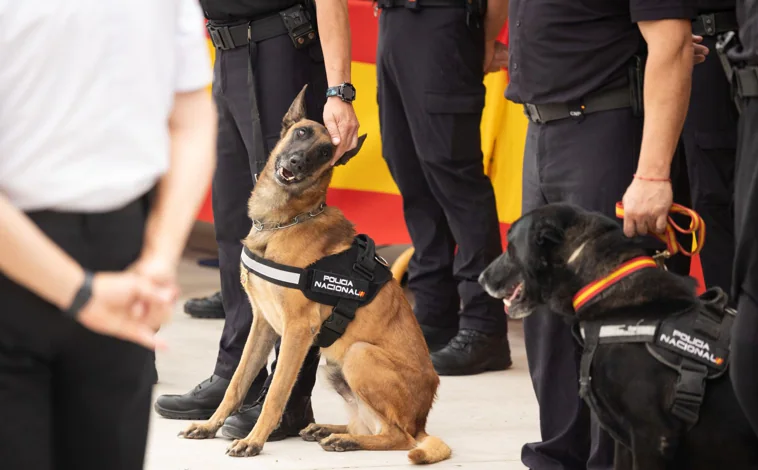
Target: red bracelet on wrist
645, 178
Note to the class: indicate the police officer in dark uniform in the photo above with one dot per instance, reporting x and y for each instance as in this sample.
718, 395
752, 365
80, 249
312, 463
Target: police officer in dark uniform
273, 48
577, 68
709, 141
430, 69
744, 360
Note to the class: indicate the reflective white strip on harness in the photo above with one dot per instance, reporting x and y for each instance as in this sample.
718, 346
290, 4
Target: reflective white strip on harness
625, 331
270, 272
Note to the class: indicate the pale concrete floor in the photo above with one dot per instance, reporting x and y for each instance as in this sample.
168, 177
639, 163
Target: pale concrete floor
485, 418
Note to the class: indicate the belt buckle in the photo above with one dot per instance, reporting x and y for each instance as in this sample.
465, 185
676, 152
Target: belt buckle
532, 113
221, 37
709, 23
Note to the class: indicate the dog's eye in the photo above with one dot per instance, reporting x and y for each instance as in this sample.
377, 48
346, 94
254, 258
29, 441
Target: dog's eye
301, 132
324, 153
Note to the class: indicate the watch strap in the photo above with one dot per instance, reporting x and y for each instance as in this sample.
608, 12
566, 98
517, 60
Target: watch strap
82, 296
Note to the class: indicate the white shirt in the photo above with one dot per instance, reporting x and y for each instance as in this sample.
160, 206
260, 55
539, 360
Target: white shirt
86, 89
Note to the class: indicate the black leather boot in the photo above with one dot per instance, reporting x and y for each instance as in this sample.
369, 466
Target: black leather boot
437, 338
205, 307
472, 352
298, 414
199, 403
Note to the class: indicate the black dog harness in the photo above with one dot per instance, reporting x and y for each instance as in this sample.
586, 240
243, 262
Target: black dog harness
694, 342
346, 280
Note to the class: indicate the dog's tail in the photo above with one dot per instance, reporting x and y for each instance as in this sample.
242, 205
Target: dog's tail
429, 449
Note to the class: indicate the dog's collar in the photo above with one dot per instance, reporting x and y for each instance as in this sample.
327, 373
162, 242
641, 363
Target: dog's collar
261, 226
593, 289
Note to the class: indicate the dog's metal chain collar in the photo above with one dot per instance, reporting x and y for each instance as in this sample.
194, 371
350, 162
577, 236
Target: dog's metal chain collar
260, 226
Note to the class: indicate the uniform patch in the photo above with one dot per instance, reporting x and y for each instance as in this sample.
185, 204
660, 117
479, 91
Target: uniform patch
690, 345
335, 284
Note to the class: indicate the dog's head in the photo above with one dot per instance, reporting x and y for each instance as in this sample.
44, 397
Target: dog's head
547, 259
301, 158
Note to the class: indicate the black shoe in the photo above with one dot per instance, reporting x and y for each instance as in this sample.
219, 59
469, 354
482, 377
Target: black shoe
437, 338
297, 416
199, 403
205, 307
472, 352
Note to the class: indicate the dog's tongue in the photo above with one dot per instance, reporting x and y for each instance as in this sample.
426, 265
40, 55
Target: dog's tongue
516, 292
510, 299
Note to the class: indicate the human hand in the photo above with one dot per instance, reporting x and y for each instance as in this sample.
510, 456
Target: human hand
646, 206
342, 123
700, 50
495, 57
161, 271
117, 308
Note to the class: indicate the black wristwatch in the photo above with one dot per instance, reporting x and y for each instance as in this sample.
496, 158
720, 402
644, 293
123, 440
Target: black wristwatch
82, 296
346, 92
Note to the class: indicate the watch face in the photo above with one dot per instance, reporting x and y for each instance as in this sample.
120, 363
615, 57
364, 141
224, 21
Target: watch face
348, 92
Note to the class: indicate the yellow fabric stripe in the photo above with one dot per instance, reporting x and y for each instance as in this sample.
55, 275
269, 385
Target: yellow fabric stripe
597, 286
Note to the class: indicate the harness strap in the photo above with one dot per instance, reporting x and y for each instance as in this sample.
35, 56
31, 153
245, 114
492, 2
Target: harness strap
591, 336
279, 274
344, 312
696, 229
689, 391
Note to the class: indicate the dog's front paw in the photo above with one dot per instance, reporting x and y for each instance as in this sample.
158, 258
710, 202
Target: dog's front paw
244, 448
339, 443
314, 432
199, 431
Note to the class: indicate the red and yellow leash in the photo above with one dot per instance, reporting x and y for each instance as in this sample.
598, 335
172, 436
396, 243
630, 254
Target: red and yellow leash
696, 229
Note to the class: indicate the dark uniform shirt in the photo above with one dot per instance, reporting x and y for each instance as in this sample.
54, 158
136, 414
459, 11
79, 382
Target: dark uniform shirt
232, 11
711, 6
561, 50
747, 18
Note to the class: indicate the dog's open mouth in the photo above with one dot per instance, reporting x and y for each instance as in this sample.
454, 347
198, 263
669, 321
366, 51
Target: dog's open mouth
285, 176
513, 295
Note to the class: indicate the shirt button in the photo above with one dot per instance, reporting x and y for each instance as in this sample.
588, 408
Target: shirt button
515, 66
518, 23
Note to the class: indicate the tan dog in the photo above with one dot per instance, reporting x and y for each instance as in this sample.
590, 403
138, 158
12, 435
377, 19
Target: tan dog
380, 365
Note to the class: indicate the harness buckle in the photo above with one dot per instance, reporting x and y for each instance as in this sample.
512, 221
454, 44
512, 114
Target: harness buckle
689, 391
660, 258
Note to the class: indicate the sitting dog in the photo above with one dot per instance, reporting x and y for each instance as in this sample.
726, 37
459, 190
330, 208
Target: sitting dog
651, 347
310, 279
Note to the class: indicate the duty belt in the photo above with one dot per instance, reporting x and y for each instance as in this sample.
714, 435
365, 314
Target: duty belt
711, 24
420, 3
225, 37
594, 102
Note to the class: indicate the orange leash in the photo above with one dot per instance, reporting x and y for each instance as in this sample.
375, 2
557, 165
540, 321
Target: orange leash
696, 229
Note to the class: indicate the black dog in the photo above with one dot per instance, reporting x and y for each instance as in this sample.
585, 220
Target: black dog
651, 346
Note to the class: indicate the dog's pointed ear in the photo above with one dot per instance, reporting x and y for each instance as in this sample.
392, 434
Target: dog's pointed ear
351, 153
295, 113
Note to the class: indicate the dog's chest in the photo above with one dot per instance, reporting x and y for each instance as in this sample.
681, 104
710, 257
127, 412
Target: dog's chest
265, 298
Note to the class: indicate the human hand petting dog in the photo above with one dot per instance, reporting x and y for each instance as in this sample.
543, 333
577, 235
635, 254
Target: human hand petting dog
342, 123
647, 203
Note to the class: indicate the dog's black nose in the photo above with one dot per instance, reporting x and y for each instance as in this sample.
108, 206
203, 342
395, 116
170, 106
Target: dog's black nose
297, 161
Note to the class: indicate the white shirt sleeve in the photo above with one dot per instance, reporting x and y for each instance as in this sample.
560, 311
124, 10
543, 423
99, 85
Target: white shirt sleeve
193, 63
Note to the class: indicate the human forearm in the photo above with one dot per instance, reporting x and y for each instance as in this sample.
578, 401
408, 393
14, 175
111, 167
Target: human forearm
497, 15
31, 259
668, 79
183, 188
334, 30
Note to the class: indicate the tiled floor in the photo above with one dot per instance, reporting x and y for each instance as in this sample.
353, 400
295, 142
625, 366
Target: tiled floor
484, 418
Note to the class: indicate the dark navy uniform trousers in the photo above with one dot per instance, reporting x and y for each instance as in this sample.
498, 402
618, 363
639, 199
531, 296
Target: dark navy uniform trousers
588, 162
431, 96
709, 140
280, 73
